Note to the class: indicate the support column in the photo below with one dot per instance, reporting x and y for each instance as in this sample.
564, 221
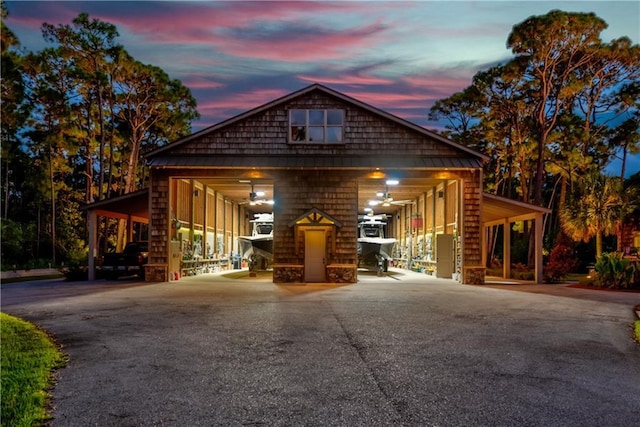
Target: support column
472, 230
538, 248
506, 249
483, 244
93, 235
129, 229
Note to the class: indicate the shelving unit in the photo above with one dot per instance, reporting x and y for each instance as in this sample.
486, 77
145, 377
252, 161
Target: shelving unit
194, 267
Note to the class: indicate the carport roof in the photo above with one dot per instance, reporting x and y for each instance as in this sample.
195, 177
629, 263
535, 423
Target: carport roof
496, 209
325, 162
134, 205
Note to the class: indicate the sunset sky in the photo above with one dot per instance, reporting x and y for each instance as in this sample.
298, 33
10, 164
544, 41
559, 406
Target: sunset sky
397, 56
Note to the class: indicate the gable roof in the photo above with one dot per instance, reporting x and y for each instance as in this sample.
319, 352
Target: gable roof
304, 91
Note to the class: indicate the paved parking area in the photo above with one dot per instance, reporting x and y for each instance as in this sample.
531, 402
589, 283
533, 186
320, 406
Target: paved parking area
400, 350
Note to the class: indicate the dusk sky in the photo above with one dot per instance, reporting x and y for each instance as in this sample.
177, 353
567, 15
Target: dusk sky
398, 56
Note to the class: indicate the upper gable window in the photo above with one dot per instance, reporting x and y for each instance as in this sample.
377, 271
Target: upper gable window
316, 126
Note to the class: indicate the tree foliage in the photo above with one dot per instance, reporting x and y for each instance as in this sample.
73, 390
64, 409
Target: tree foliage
596, 208
555, 114
77, 116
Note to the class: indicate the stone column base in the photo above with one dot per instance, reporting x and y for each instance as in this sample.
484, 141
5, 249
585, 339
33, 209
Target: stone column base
342, 273
155, 272
288, 273
474, 275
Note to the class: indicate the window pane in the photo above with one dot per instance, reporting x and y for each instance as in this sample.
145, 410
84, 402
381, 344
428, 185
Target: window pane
334, 117
316, 117
298, 117
316, 133
334, 134
297, 133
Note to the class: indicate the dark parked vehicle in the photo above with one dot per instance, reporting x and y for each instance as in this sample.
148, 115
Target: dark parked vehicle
130, 261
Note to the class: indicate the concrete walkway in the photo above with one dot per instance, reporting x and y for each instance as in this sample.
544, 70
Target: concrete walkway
403, 350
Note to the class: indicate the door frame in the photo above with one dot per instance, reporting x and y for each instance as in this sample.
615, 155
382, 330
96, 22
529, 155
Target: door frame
316, 229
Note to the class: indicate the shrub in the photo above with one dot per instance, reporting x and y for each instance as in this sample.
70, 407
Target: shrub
617, 272
562, 260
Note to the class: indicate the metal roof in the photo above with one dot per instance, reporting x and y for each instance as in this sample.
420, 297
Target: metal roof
315, 162
135, 204
328, 91
497, 208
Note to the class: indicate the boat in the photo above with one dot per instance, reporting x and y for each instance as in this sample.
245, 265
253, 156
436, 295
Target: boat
257, 249
374, 250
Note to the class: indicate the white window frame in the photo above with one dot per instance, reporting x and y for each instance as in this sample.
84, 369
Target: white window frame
307, 127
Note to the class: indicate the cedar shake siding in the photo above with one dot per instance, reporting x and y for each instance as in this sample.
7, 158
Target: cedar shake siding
322, 180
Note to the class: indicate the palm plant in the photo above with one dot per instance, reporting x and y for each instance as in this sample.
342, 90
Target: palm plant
594, 210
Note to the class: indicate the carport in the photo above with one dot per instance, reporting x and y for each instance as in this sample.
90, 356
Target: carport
498, 210
132, 207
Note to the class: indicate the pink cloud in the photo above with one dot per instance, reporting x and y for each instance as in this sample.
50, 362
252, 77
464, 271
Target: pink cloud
220, 106
201, 81
390, 100
301, 44
346, 79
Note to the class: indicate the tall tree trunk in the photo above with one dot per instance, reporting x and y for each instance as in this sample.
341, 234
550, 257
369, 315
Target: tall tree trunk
53, 206
619, 227
539, 178
102, 142
6, 190
130, 180
38, 226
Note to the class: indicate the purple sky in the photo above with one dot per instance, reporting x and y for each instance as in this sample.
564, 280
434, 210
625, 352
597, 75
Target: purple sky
397, 56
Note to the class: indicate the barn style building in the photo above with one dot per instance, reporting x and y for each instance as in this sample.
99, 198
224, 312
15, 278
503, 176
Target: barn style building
316, 159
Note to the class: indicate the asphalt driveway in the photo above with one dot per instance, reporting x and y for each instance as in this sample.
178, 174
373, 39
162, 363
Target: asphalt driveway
402, 350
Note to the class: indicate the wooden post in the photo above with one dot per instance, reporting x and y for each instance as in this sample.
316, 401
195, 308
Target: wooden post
129, 229
506, 250
538, 248
93, 231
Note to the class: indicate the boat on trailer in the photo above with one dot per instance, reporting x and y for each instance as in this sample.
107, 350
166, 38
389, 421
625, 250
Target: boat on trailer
374, 250
257, 249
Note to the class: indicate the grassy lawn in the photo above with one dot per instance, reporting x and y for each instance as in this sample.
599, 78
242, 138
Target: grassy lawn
638, 330
27, 360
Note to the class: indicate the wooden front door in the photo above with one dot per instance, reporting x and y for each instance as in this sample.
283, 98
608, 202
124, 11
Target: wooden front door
315, 249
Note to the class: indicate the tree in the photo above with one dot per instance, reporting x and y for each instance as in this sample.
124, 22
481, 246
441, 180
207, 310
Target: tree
625, 138
595, 209
51, 134
14, 110
71, 114
91, 49
550, 49
150, 109
546, 116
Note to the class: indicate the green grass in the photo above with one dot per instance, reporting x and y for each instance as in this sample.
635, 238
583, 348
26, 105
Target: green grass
638, 330
27, 360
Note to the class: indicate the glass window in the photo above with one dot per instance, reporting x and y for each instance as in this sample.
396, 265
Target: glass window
316, 117
334, 134
298, 117
334, 117
316, 126
316, 133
